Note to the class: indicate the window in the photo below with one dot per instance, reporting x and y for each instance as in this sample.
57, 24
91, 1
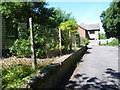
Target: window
92, 32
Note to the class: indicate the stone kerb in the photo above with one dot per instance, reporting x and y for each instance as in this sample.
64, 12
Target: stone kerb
52, 75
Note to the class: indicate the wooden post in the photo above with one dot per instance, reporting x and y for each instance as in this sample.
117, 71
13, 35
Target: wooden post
70, 40
75, 40
0, 35
79, 41
60, 42
33, 56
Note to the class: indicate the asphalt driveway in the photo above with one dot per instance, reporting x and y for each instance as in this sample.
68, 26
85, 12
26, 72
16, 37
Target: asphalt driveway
98, 69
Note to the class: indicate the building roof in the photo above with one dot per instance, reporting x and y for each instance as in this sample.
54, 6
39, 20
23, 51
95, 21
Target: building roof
94, 26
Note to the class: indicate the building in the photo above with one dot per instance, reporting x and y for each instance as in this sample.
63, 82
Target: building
89, 31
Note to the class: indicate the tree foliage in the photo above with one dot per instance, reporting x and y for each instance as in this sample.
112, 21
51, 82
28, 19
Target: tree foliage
111, 20
102, 36
46, 39
58, 17
45, 24
67, 27
21, 11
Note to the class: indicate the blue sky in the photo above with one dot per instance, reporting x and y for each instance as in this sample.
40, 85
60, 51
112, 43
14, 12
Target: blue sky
86, 12
83, 12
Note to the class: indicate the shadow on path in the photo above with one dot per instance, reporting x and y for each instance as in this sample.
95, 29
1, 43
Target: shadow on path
81, 81
87, 52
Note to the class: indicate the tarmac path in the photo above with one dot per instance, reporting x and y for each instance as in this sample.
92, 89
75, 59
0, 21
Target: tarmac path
98, 69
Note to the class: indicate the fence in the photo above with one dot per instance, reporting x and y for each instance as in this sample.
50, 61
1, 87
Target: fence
101, 41
16, 38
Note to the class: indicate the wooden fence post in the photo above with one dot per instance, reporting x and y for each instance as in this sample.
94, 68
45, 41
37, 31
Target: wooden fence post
0, 35
75, 40
33, 56
70, 40
60, 42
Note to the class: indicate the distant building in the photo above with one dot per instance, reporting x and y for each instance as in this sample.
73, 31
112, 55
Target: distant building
89, 31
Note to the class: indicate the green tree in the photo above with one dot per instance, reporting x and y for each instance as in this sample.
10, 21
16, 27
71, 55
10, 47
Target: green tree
111, 20
58, 17
68, 27
45, 25
102, 36
21, 11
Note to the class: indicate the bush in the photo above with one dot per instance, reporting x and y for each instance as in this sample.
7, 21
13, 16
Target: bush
21, 47
15, 74
84, 41
102, 36
114, 42
45, 40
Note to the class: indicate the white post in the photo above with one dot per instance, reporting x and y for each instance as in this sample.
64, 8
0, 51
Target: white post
33, 56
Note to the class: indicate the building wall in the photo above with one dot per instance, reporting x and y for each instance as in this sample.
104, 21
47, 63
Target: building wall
81, 32
95, 35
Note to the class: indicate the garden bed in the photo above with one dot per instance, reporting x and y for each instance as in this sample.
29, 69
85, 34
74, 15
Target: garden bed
7, 62
16, 69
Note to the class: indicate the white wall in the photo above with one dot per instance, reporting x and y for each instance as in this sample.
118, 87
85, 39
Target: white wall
94, 35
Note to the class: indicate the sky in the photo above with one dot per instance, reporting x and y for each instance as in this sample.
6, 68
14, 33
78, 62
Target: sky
83, 12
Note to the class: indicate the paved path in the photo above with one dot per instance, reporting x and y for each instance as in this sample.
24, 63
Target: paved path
98, 69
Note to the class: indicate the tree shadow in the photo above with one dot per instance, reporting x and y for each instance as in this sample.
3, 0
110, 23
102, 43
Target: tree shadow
87, 52
89, 47
113, 73
82, 82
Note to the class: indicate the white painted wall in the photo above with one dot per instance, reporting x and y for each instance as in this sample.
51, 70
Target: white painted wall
94, 35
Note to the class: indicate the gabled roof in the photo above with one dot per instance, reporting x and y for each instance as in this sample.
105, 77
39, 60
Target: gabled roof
94, 26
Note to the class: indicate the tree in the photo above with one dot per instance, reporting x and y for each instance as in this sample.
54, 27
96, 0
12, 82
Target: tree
68, 27
111, 20
102, 36
21, 11
45, 24
58, 17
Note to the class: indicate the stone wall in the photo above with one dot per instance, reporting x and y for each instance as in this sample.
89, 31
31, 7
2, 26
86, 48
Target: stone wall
52, 75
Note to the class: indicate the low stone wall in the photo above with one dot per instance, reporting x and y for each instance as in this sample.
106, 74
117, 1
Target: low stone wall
52, 75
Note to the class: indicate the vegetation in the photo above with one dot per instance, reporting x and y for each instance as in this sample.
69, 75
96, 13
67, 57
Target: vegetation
111, 20
46, 22
69, 27
15, 74
84, 41
42, 43
114, 42
102, 36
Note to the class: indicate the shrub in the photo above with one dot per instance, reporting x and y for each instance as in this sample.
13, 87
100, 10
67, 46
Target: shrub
20, 47
102, 36
45, 39
114, 42
84, 41
15, 74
